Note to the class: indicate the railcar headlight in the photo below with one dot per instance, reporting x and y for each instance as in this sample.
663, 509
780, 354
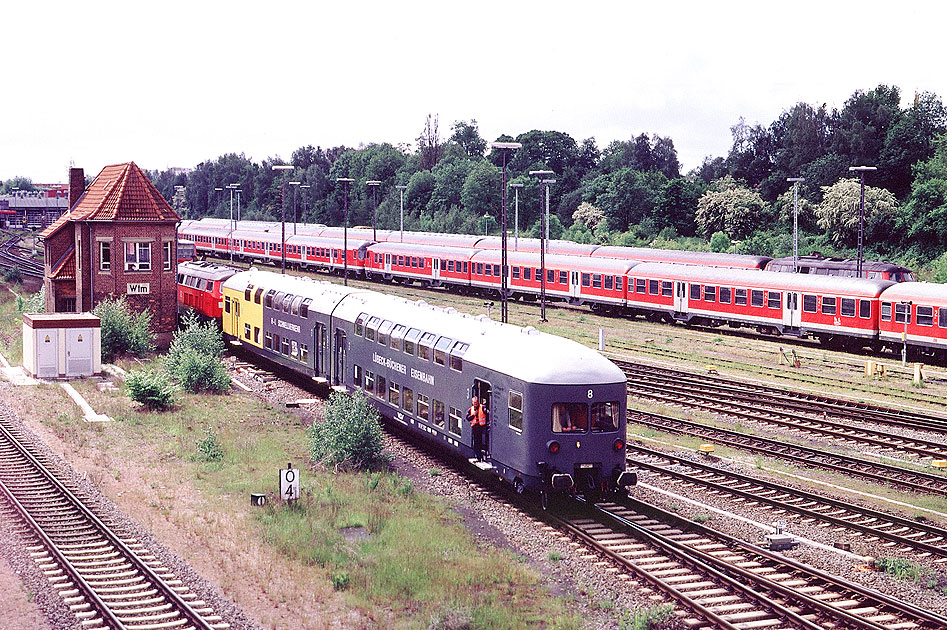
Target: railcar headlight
618, 445
553, 446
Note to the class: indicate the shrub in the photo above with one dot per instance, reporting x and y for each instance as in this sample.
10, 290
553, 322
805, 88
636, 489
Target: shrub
200, 372
350, 436
209, 448
152, 389
124, 332
13, 275
35, 303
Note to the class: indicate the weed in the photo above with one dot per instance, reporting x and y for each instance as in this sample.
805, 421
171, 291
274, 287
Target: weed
701, 518
454, 618
759, 462
373, 480
646, 618
555, 556
900, 568
434, 472
406, 488
209, 448
340, 581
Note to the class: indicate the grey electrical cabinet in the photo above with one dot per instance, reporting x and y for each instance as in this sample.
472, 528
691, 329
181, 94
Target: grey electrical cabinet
62, 345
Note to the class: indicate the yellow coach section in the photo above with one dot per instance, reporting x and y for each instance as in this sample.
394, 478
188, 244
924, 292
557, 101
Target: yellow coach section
243, 310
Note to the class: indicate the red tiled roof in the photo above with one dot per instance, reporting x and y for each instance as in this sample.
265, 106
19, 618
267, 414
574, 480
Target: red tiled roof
121, 192
66, 270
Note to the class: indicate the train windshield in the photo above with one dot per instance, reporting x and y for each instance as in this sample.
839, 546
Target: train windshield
570, 418
605, 417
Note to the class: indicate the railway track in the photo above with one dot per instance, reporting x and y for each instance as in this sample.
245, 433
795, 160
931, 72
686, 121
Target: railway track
730, 400
12, 255
105, 579
877, 472
900, 535
727, 583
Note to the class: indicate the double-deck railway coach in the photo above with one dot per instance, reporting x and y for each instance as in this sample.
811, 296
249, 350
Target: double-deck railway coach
555, 409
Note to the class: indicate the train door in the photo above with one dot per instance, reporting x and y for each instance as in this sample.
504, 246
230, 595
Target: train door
680, 296
339, 357
321, 348
436, 268
481, 389
234, 316
792, 317
574, 288
388, 263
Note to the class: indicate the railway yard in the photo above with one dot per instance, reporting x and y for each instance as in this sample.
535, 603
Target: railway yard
730, 434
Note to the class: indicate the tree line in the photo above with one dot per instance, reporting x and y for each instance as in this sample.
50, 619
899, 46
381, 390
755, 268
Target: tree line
631, 192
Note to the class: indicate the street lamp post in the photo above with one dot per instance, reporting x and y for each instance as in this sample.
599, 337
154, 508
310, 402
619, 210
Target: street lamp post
295, 186
861, 215
401, 190
232, 187
795, 221
283, 167
907, 318
345, 181
542, 175
505, 148
516, 215
238, 204
374, 183
305, 200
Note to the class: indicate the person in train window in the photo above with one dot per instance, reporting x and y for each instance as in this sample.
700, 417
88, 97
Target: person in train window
477, 416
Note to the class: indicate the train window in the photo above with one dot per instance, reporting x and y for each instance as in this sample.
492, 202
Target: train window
809, 303
180, 278
902, 313
516, 273
725, 295
550, 275
516, 411
423, 407
284, 346
695, 292
304, 307
383, 331
538, 275
667, 288
226, 304
371, 328
640, 285
360, 324
369, 381
828, 306
294, 352
527, 273
401, 261
925, 315
886, 311
563, 277
277, 300
609, 282
294, 308
410, 340
407, 399
710, 293
457, 356
456, 421
287, 302
605, 416
357, 375
479, 271
256, 335
864, 309
268, 341
756, 297
848, 307
586, 279
246, 331
488, 271
466, 267
942, 317
653, 287
440, 350
246, 292
256, 296
570, 417
394, 394
201, 284
304, 352
438, 413
426, 346
450, 265
381, 387
774, 299
397, 336
596, 281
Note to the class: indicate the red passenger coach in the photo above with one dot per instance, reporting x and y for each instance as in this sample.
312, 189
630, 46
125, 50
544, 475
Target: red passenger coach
915, 312
428, 264
829, 308
681, 257
199, 286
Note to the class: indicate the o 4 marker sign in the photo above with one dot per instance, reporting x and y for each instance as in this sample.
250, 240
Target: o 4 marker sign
289, 483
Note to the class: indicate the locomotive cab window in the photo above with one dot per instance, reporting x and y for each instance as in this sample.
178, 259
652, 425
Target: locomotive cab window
440, 350
605, 417
397, 336
570, 417
457, 356
411, 340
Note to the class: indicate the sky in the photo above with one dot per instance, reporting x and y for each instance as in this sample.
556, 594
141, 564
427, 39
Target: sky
174, 83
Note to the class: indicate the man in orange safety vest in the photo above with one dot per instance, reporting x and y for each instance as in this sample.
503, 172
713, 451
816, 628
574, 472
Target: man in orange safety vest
477, 416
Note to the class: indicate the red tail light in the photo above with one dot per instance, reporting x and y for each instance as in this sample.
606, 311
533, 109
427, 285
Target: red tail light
553, 447
618, 444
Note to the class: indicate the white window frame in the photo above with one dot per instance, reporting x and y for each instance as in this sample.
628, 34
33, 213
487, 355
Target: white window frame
103, 264
167, 247
137, 264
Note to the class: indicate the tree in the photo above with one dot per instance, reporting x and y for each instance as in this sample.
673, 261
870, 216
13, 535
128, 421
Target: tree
752, 154
22, 183
418, 193
909, 141
732, 209
924, 216
838, 213
719, 242
449, 177
481, 189
631, 197
588, 215
677, 204
467, 136
429, 144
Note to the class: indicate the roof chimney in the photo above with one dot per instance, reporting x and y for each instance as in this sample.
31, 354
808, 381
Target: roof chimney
76, 185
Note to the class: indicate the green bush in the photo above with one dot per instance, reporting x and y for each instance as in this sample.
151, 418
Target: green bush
209, 448
152, 389
13, 275
35, 303
124, 332
200, 372
350, 436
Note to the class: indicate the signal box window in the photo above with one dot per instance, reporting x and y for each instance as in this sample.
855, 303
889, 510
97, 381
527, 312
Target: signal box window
886, 311
105, 256
809, 303
456, 420
570, 417
516, 411
137, 256
605, 417
756, 297
739, 297
828, 306
925, 315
